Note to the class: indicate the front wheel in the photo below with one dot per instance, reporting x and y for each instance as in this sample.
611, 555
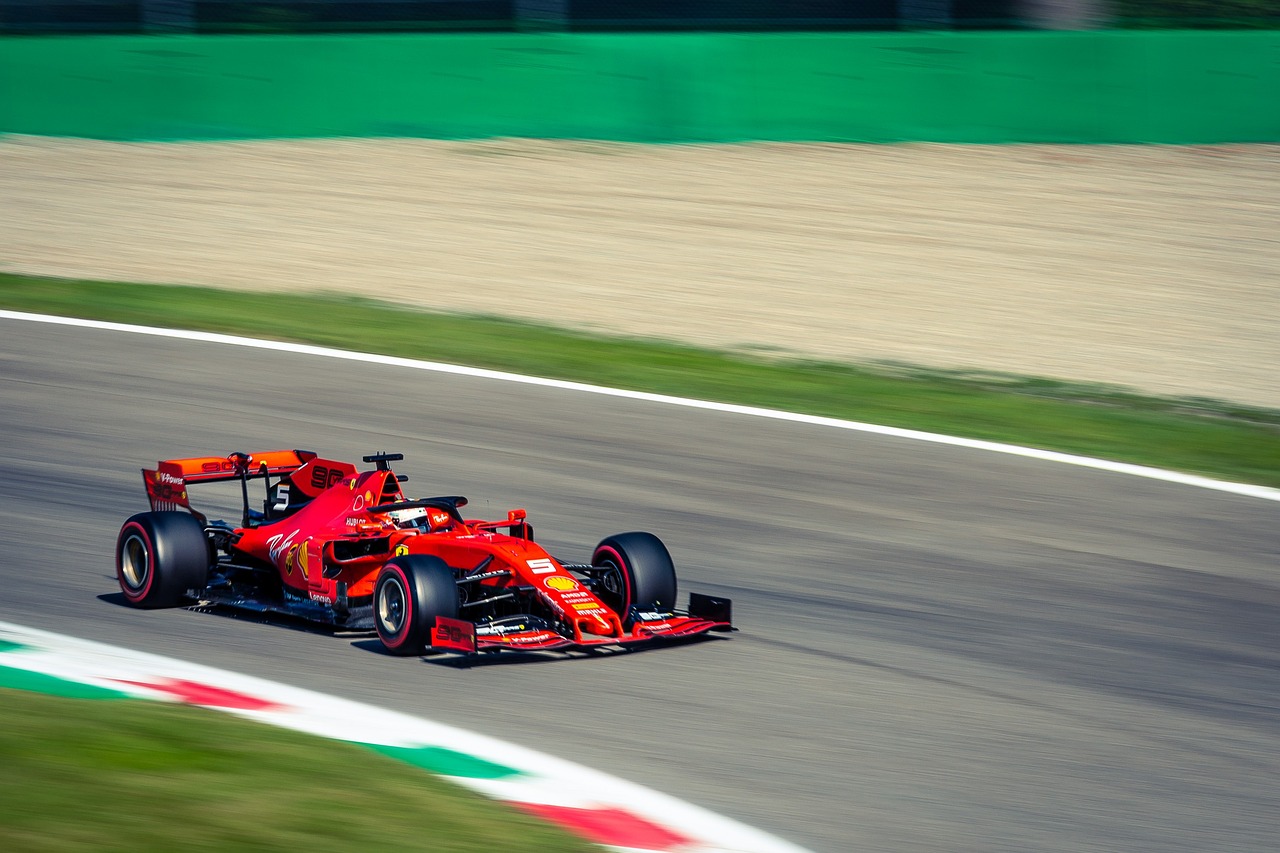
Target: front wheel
410, 593
161, 557
637, 572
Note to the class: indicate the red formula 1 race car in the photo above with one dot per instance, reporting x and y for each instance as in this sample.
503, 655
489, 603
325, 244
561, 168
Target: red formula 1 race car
340, 547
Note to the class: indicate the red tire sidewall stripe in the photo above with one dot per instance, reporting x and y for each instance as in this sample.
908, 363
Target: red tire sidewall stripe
130, 528
398, 641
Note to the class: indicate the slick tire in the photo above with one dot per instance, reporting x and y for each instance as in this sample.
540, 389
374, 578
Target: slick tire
161, 557
410, 593
639, 573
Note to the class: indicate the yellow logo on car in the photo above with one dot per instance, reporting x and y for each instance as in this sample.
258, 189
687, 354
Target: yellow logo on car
561, 583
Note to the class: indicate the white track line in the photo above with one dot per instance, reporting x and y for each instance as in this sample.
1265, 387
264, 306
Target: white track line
1244, 489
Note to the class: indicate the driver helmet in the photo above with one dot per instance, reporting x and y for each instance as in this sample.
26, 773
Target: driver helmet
412, 517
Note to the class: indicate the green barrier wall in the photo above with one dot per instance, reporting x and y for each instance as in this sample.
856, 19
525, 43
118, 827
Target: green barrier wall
1168, 87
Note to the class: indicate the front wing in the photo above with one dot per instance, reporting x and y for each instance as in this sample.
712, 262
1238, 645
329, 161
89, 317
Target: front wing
457, 635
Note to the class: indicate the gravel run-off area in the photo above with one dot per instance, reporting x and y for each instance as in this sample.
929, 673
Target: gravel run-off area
1154, 268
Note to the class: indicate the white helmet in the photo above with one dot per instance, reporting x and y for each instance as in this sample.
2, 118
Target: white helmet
412, 517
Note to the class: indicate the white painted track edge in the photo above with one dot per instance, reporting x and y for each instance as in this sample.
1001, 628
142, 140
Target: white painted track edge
1176, 477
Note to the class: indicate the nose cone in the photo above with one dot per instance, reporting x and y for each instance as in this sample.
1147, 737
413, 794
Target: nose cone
601, 625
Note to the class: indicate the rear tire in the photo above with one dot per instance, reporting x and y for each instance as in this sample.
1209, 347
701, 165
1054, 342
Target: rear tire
410, 593
160, 558
639, 573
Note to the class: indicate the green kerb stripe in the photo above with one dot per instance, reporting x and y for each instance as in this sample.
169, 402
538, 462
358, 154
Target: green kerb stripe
37, 682
446, 762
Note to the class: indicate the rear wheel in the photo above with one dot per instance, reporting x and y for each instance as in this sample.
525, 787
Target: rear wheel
410, 593
637, 572
161, 557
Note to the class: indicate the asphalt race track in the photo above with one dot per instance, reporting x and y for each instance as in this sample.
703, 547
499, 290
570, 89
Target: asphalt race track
941, 649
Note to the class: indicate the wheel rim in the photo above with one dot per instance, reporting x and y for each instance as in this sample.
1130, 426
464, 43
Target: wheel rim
612, 589
135, 563
391, 607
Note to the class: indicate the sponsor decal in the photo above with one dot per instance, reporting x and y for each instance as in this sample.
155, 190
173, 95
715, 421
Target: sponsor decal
541, 566
452, 635
438, 518
166, 487
302, 558
323, 478
652, 616
321, 598
165, 492
354, 521
490, 630
540, 637
588, 607
278, 544
368, 497
561, 583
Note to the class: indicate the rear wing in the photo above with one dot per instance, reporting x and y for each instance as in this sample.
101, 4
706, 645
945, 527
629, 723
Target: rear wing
167, 483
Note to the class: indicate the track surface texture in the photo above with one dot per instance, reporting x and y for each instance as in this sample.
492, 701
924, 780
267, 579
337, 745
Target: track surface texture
941, 649
1146, 266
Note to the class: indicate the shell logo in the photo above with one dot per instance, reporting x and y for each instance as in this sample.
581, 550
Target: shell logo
561, 583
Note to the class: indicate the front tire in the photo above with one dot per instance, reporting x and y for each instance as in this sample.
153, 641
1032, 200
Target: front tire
160, 557
410, 593
638, 572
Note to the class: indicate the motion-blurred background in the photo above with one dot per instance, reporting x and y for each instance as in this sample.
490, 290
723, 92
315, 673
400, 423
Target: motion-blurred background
223, 16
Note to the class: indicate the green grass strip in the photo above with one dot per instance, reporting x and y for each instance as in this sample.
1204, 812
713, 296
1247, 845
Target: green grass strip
141, 777
1201, 436
14, 678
